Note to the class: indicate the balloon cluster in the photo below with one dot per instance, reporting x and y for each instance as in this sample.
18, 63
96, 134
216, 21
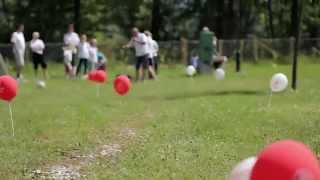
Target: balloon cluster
282, 160
121, 84
218, 73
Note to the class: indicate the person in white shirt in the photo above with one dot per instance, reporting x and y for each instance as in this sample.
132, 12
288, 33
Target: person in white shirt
139, 42
71, 41
19, 46
37, 47
153, 53
93, 54
83, 54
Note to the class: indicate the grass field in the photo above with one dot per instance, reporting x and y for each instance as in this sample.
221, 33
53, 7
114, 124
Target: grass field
187, 128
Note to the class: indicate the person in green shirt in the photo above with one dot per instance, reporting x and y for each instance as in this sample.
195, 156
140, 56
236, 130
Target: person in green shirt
208, 49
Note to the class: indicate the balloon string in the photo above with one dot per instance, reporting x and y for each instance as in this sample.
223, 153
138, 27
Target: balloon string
98, 90
11, 117
270, 99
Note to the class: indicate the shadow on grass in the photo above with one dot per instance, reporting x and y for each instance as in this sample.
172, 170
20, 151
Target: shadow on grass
189, 95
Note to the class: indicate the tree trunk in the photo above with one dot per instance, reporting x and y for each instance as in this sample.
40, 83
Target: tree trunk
5, 11
270, 18
230, 19
207, 16
294, 17
156, 19
77, 13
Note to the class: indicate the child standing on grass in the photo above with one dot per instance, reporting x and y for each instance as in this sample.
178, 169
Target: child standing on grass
102, 61
67, 58
71, 41
84, 47
93, 54
37, 47
195, 61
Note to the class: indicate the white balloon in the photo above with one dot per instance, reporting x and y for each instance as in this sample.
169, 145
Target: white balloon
219, 74
279, 82
242, 171
41, 84
191, 71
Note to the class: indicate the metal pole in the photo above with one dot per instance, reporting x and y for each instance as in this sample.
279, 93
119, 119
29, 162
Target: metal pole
238, 61
296, 45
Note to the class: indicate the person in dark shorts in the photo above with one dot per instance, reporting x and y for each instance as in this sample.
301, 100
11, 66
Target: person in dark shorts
152, 52
218, 61
139, 42
37, 47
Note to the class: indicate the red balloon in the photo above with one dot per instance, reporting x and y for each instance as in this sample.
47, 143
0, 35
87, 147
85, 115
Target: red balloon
98, 76
122, 85
101, 76
286, 160
8, 88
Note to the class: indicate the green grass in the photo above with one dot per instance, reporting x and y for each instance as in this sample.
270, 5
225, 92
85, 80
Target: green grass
187, 128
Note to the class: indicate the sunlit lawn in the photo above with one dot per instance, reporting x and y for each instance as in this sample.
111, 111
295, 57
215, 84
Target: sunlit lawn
188, 128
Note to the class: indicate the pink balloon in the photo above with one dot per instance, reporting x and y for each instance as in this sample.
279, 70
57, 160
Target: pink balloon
8, 88
122, 85
286, 160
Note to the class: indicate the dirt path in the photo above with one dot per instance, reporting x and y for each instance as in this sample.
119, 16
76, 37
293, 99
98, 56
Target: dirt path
73, 166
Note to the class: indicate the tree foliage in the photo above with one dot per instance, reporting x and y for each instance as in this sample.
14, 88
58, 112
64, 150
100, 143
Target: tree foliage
168, 19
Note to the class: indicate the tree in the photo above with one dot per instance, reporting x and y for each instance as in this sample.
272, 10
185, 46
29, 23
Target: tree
156, 19
77, 13
270, 18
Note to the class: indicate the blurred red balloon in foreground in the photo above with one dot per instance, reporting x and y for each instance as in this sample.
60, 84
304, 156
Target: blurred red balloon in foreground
98, 76
286, 160
122, 85
8, 88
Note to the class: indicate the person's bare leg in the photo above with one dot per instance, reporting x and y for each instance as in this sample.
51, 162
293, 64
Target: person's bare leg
69, 70
141, 73
19, 71
152, 72
144, 74
36, 73
137, 75
45, 73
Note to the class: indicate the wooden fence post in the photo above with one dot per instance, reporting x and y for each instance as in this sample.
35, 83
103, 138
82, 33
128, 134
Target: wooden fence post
184, 50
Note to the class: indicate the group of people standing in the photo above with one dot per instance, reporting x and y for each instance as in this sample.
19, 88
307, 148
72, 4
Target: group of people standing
146, 52
74, 48
37, 47
86, 51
